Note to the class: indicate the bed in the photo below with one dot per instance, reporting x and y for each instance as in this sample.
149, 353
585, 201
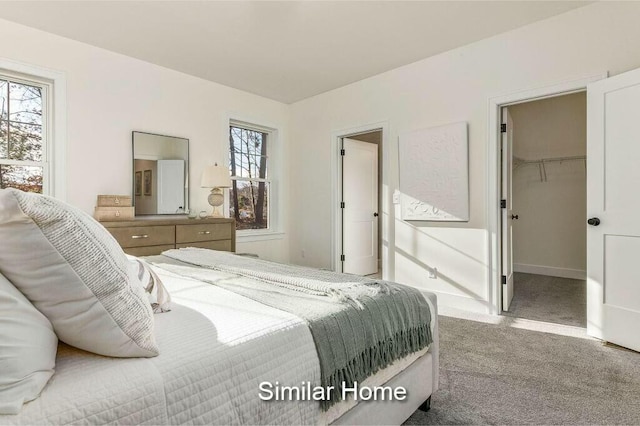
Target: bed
239, 335
216, 348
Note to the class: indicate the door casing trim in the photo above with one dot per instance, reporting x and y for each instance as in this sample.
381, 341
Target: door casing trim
336, 192
493, 179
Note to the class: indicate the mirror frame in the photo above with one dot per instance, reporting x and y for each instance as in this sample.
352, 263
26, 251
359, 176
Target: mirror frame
133, 174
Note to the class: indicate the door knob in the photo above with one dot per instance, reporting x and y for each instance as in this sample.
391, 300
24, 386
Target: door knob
375, 215
594, 221
514, 217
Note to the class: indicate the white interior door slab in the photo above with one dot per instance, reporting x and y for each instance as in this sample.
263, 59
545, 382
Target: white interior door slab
360, 212
170, 186
507, 210
613, 203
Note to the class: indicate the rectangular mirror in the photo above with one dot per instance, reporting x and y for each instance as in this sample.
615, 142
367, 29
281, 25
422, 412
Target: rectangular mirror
160, 174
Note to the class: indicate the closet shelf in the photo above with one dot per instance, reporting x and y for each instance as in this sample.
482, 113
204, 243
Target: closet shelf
517, 162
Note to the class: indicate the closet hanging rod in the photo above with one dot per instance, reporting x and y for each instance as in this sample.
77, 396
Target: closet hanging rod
541, 162
552, 159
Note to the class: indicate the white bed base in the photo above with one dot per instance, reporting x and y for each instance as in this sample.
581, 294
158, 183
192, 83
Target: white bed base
420, 380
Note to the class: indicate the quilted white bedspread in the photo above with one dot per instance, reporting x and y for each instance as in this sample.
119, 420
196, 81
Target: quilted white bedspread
215, 349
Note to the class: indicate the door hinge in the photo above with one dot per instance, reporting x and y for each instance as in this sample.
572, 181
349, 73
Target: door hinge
503, 128
504, 279
342, 204
503, 204
342, 152
342, 257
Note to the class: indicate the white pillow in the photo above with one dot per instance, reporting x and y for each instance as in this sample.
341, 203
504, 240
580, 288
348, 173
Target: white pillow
28, 348
75, 273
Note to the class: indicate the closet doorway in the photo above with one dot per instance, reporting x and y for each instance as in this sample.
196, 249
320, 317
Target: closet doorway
544, 207
360, 204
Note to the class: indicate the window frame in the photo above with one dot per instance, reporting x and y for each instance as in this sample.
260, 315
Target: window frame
55, 121
47, 108
273, 173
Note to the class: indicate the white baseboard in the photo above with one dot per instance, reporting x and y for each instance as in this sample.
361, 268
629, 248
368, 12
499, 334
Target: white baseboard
576, 274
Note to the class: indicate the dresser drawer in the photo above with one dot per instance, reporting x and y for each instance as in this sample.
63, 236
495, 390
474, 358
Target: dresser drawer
221, 245
203, 232
142, 236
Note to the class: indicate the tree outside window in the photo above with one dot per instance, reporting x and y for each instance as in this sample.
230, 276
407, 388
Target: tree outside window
249, 193
21, 136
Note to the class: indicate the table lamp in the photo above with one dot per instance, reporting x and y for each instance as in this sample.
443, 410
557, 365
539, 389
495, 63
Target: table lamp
216, 177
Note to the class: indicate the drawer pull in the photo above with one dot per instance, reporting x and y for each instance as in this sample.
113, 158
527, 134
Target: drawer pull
204, 232
137, 237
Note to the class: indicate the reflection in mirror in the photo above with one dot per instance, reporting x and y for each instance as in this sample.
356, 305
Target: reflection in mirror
160, 174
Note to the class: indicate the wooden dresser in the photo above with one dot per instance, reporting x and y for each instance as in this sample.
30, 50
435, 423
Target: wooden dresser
150, 235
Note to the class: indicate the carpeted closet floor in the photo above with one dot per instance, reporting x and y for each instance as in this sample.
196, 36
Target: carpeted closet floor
507, 370
549, 299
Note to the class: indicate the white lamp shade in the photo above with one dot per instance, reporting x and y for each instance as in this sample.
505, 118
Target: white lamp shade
215, 177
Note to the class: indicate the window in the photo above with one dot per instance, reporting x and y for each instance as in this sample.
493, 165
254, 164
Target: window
249, 169
23, 135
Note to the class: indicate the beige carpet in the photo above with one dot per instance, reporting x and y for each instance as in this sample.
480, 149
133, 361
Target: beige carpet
503, 370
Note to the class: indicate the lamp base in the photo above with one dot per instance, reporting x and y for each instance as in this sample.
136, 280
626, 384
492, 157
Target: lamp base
216, 199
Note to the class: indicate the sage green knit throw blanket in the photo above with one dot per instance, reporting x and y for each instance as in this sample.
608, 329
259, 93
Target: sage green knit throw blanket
359, 325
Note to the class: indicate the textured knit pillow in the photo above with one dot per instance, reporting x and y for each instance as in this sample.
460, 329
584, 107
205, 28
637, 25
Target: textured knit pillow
28, 348
75, 273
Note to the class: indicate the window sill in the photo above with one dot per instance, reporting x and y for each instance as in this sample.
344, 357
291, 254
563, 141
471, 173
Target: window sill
253, 236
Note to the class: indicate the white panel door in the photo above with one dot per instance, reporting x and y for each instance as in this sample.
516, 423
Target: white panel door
507, 211
170, 186
613, 203
360, 212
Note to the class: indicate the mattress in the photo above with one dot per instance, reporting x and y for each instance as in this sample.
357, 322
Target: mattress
216, 347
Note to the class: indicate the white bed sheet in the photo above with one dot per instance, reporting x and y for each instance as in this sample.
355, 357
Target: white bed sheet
215, 348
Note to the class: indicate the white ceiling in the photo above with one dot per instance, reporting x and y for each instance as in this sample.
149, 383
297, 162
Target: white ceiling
285, 51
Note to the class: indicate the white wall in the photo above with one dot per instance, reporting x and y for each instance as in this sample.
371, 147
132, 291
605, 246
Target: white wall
109, 95
550, 235
450, 87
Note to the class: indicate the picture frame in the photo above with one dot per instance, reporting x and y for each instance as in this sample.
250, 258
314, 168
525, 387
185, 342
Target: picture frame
148, 181
138, 184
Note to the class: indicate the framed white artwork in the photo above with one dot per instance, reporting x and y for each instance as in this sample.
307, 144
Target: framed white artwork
434, 174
